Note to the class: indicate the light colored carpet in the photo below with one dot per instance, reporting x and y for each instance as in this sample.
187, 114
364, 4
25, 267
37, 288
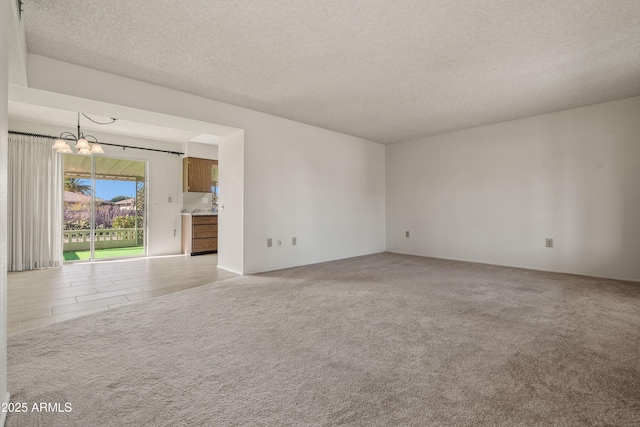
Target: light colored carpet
378, 340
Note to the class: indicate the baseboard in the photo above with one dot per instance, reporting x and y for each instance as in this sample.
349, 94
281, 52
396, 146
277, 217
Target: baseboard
230, 270
522, 267
5, 404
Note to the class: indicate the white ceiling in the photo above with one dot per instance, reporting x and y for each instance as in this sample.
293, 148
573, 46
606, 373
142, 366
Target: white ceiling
69, 119
383, 70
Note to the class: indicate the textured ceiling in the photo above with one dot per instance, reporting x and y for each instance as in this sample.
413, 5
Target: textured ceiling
386, 71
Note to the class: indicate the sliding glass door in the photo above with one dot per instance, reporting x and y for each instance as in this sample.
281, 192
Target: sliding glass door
104, 208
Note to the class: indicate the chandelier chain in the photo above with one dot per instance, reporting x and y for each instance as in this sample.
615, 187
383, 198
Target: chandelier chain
113, 120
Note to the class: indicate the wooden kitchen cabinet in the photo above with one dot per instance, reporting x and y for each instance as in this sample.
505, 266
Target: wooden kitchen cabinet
199, 234
198, 174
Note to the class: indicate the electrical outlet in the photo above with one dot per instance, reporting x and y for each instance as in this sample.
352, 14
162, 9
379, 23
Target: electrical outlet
407, 234
294, 241
169, 199
269, 242
548, 243
279, 242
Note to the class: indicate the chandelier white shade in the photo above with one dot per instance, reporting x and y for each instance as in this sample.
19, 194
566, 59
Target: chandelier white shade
97, 149
82, 143
81, 140
62, 146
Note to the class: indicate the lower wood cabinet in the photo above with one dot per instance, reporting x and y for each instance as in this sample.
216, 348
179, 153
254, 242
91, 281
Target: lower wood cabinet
199, 234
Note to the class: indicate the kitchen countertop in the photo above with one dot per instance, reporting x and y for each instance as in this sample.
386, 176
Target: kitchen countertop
200, 213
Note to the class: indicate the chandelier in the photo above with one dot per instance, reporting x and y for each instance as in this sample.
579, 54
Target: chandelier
81, 142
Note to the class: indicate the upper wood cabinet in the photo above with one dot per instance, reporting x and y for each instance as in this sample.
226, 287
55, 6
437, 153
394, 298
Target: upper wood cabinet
198, 174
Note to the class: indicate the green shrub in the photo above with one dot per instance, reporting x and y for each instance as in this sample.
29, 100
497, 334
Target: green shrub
126, 222
79, 224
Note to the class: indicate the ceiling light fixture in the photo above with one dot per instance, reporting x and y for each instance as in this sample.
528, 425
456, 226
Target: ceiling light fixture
81, 140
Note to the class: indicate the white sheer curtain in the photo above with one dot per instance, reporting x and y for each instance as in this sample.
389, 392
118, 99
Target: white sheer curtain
34, 217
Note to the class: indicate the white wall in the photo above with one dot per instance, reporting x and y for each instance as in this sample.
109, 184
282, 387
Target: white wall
493, 194
17, 46
165, 180
323, 187
203, 151
6, 12
194, 200
231, 213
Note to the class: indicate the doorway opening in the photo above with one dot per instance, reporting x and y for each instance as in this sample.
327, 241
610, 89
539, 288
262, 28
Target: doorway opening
105, 210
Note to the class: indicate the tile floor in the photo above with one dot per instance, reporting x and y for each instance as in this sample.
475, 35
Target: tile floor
40, 297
